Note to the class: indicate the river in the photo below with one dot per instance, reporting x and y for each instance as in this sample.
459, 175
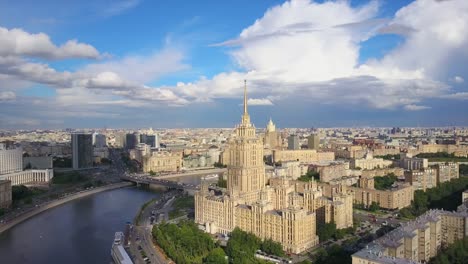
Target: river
81, 231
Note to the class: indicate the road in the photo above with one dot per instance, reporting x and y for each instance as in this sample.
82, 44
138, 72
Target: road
141, 232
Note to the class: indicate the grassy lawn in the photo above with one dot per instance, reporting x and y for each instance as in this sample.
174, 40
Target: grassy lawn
180, 205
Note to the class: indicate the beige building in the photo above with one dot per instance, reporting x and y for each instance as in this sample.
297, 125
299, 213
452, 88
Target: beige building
302, 155
162, 162
399, 172
272, 138
5, 194
447, 171
422, 179
351, 152
285, 211
370, 163
331, 171
418, 240
457, 150
313, 141
394, 198
408, 162
465, 196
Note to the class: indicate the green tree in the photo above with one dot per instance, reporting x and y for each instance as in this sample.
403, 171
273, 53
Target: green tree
374, 207
216, 256
326, 231
273, 248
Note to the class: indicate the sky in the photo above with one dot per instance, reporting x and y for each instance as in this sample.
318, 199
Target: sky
182, 64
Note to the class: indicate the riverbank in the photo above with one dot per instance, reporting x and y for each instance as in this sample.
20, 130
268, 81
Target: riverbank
55, 203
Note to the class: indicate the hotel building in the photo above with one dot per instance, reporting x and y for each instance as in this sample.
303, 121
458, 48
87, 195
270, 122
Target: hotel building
285, 210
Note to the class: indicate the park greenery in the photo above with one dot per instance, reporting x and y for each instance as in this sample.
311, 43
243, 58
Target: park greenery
181, 205
446, 196
22, 193
457, 253
332, 255
389, 157
384, 182
373, 207
442, 157
309, 176
131, 165
463, 169
328, 231
242, 246
185, 243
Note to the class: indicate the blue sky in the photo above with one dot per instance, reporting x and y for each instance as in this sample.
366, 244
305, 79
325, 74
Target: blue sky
140, 63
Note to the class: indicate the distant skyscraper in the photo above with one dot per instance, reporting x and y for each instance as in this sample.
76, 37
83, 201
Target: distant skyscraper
313, 141
99, 140
131, 141
82, 150
293, 142
152, 140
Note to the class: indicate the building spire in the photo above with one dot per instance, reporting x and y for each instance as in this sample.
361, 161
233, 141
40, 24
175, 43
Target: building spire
245, 97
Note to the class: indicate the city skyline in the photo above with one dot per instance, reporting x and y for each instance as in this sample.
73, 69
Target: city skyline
308, 64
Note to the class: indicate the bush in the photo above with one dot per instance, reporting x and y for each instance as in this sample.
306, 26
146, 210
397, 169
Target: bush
384, 182
309, 176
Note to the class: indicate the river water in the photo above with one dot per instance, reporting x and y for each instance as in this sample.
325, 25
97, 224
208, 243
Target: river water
81, 231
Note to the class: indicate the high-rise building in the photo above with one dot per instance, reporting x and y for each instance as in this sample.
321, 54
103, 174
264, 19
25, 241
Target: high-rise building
82, 150
285, 210
131, 141
99, 140
313, 141
272, 139
293, 142
151, 140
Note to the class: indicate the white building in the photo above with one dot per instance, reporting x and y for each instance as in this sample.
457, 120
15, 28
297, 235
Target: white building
11, 168
11, 159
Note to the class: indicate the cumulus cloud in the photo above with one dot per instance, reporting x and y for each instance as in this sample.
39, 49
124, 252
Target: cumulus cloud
17, 42
259, 101
311, 51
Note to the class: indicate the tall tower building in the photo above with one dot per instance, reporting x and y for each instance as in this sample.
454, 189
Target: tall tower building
272, 139
82, 150
313, 141
293, 142
246, 170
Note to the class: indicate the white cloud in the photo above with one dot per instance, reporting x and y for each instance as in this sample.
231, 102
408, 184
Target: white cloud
259, 101
413, 107
458, 79
143, 68
311, 51
7, 96
17, 42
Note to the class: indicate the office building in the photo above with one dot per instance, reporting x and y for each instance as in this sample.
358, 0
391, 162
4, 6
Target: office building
99, 140
151, 140
313, 141
131, 141
370, 163
82, 150
293, 142
11, 168
11, 159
